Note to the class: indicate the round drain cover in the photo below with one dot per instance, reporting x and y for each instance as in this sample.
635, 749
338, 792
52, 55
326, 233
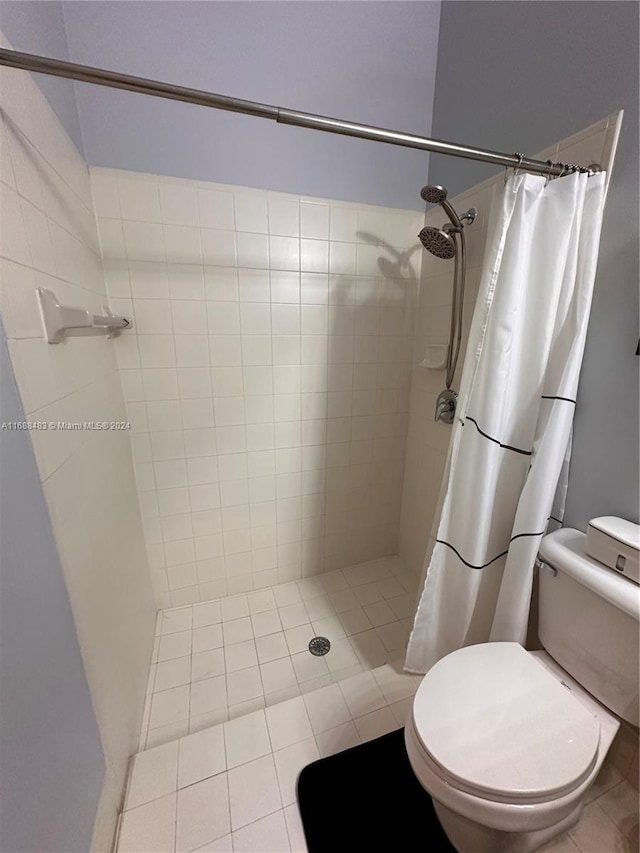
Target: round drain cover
319, 646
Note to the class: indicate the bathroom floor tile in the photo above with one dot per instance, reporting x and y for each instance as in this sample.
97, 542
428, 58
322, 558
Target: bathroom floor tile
261, 601
176, 620
202, 814
288, 723
208, 695
379, 613
343, 600
266, 623
198, 722
319, 607
362, 694
244, 684
621, 805
341, 658
206, 614
298, 638
165, 734
272, 647
376, 724
200, 756
247, 707
355, 621
394, 683
337, 739
289, 762
286, 594
169, 706
308, 667
207, 664
172, 673
234, 608
562, 844
237, 630
246, 738
326, 708
293, 615
240, 655
596, 832
176, 645
277, 675
153, 775
208, 637
330, 628
149, 827
253, 791
267, 835
295, 829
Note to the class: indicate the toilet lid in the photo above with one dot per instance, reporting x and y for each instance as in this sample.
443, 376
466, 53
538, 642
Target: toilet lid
498, 723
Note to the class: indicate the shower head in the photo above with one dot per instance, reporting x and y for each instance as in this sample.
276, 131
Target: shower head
433, 194
438, 195
439, 241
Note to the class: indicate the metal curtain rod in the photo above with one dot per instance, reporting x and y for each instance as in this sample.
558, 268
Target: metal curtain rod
115, 80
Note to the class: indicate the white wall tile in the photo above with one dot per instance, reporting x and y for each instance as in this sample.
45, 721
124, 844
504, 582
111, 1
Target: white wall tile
178, 203
139, 199
255, 352
215, 209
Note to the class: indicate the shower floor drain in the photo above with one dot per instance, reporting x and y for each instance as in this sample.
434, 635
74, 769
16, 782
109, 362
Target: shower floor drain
319, 646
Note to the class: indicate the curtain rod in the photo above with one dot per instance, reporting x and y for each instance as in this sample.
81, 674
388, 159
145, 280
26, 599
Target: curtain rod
115, 80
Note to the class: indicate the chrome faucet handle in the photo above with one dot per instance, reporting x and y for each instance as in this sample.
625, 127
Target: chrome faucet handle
446, 406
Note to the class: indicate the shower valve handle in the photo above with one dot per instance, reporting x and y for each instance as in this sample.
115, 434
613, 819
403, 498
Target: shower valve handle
446, 406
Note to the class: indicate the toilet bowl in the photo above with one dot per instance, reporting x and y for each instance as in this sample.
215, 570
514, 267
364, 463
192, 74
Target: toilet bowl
507, 744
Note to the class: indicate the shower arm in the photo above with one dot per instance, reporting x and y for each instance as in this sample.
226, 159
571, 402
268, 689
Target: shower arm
116, 80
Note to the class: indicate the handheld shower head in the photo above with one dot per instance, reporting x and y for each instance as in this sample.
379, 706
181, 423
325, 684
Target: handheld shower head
438, 195
439, 241
433, 194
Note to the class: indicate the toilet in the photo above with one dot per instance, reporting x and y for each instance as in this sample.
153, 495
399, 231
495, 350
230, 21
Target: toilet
506, 741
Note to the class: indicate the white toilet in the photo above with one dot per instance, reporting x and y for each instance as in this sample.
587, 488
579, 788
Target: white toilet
507, 742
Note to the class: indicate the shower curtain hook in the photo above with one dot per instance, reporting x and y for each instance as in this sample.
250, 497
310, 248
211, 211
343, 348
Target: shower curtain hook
550, 165
515, 168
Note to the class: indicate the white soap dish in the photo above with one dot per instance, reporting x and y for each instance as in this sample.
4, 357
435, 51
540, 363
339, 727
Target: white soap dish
435, 356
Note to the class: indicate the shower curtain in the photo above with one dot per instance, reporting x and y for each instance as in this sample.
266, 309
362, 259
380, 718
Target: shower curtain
512, 433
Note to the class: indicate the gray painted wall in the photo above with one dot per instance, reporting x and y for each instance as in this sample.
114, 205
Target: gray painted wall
37, 26
371, 62
50, 750
518, 77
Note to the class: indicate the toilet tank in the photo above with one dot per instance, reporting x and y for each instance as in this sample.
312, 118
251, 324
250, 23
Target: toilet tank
588, 622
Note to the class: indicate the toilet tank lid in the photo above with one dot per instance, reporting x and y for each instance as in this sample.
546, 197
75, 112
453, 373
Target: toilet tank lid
564, 550
499, 723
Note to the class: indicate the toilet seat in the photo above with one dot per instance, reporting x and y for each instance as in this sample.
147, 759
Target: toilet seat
498, 725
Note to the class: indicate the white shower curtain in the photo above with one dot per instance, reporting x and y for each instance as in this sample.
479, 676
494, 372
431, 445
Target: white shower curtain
512, 432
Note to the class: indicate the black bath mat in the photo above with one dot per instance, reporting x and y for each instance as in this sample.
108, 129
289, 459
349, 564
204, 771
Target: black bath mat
367, 800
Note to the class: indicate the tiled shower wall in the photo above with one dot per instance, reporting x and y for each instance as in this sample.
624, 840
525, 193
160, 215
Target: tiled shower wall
428, 441
266, 377
48, 239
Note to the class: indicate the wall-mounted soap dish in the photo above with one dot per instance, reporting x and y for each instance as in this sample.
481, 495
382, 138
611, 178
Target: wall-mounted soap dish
435, 357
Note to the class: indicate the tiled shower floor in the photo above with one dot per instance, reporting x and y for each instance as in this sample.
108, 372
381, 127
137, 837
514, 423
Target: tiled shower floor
226, 658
